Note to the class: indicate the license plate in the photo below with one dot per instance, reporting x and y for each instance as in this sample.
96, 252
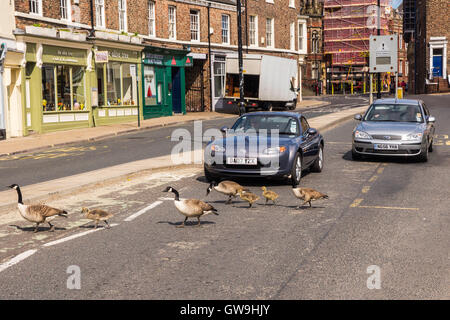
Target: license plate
384, 146
245, 161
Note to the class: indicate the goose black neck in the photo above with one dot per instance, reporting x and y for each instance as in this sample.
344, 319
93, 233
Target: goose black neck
177, 195
19, 194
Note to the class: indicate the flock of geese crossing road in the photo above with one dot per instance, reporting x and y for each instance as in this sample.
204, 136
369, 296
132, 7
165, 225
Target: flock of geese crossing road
190, 208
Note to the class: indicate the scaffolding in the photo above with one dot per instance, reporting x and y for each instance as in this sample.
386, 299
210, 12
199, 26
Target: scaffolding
348, 25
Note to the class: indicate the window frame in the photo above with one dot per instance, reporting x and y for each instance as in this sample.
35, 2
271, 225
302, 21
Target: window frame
152, 18
100, 14
122, 10
68, 9
301, 35
194, 26
38, 5
227, 34
174, 22
255, 31
272, 33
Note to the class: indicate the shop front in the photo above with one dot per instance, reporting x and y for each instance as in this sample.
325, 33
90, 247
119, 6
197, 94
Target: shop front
116, 95
55, 88
163, 81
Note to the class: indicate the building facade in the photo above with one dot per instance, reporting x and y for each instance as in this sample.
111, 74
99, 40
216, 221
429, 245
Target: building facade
427, 33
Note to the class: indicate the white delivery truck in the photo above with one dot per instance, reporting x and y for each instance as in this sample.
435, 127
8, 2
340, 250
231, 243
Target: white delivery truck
269, 82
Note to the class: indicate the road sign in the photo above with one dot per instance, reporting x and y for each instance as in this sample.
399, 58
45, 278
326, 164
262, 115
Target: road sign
383, 54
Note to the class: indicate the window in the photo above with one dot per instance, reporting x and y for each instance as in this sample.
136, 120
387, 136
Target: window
100, 13
121, 84
150, 85
253, 30
400, 67
195, 25
63, 88
305, 125
301, 36
151, 18
406, 68
219, 76
36, 6
101, 84
292, 3
292, 36
269, 32
315, 42
400, 45
225, 28
172, 22
315, 70
123, 15
66, 10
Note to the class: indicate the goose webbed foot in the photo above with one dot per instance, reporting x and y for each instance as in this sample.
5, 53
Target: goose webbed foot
107, 225
52, 227
182, 224
37, 227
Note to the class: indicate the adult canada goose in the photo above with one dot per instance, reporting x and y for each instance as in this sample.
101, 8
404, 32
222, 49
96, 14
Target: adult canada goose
229, 188
269, 195
307, 195
249, 197
36, 213
191, 208
97, 215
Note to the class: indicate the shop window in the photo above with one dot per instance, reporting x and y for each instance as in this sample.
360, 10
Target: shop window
219, 78
160, 92
129, 97
48, 88
149, 85
113, 84
101, 85
63, 88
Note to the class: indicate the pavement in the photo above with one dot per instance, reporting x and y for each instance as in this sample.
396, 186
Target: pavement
57, 188
52, 139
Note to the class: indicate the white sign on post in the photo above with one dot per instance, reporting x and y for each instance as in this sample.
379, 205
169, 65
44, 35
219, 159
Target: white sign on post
383, 54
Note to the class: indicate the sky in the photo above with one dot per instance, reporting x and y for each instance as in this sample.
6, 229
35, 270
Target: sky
396, 3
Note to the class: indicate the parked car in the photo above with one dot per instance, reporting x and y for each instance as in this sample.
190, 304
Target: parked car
394, 127
265, 144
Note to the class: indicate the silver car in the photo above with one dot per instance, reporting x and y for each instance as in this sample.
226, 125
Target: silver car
394, 127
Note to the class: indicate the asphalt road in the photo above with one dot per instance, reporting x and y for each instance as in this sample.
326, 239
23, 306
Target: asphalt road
53, 163
387, 213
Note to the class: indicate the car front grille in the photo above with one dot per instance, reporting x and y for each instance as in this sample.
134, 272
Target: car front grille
386, 137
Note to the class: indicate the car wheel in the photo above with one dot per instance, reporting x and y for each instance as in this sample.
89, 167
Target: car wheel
423, 156
209, 177
318, 164
297, 168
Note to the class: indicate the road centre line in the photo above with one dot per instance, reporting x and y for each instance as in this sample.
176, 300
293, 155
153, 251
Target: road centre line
52, 243
17, 259
142, 211
373, 178
383, 207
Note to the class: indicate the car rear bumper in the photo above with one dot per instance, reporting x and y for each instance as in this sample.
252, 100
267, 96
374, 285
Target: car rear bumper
405, 149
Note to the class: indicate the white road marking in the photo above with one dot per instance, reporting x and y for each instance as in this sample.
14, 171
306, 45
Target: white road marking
17, 259
75, 236
142, 211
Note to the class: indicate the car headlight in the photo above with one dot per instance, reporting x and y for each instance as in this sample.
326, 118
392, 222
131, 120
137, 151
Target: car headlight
217, 148
274, 150
362, 135
413, 136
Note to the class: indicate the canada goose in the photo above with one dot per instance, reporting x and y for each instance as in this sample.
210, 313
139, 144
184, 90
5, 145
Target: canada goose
249, 197
97, 215
307, 195
229, 188
36, 213
269, 195
191, 208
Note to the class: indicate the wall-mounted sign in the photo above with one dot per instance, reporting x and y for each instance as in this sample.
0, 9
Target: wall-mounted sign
101, 56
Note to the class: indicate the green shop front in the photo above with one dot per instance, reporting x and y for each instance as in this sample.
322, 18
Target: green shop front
163, 81
116, 96
56, 81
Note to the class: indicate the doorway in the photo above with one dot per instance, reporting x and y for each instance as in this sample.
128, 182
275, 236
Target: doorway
437, 63
176, 90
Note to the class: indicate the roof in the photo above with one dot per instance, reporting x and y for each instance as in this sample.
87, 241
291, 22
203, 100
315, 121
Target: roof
273, 113
397, 101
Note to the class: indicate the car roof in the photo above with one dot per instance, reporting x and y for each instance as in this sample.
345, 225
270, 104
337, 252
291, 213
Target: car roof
273, 113
398, 101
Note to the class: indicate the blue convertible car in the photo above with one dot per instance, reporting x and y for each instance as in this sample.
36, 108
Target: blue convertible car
265, 144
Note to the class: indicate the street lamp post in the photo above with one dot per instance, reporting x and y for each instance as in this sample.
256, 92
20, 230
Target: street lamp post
240, 58
379, 33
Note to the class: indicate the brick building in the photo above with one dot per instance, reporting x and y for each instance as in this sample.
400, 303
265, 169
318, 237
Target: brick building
92, 62
426, 30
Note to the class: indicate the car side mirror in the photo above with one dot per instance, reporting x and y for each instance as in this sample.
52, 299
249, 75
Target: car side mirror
311, 131
224, 129
358, 117
431, 119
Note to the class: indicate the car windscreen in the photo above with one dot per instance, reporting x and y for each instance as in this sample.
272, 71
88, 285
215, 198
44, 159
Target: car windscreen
255, 123
394, 112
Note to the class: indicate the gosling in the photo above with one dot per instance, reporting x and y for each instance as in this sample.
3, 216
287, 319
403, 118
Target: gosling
36, 213
97, 215
191, 208
229, 188
307, 195
269, 195
249, 197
